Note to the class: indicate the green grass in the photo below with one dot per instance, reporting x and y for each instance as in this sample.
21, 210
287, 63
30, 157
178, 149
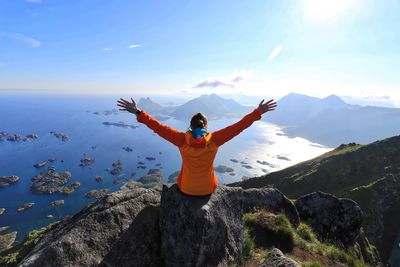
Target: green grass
302, 237
249, 244
266, 227
313, 264
306, 233
14, 255
340, 150
332, 252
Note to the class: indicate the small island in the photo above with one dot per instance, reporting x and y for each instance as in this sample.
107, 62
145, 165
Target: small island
127, 149
86, 161
67, 190
14, 138
106, 112
3, 135
120, 124
99, 178
266, 163
283, 158
30, 137
5, 181
247, 166
60, 135
76, 185
43, 163
2, 210
57, 203
117, 167
25, 206
49, 182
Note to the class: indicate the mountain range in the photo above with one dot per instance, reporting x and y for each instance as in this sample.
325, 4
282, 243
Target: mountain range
329, 121
213, 106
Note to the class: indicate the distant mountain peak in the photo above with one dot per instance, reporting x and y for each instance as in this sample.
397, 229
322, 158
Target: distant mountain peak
333, 99
149, 105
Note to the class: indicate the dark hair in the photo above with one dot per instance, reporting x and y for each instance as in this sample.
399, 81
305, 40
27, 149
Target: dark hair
198, 120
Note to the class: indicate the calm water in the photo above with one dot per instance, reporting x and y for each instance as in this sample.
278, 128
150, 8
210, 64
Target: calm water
74, 116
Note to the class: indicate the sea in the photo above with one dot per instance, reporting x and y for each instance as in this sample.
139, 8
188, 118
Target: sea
262, 148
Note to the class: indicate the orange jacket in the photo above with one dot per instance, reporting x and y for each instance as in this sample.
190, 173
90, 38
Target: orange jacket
197, 176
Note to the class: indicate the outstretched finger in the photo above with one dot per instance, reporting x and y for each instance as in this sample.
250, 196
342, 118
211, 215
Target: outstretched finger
123, 109
262, 101
121, 105
133, 101
123, 100
270, 101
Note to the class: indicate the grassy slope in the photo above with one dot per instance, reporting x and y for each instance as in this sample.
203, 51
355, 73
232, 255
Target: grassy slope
363, 173
298, 243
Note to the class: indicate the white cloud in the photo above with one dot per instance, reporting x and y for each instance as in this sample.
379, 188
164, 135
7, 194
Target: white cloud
107, 49
22, 38
212, 83
275, 52
134, 46
34, 1
230, 81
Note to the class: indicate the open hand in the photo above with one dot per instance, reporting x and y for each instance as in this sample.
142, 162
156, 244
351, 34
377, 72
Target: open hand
265, 107
127, 106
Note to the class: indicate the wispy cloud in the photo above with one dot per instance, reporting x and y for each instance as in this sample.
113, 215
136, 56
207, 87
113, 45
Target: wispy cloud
34, 1
134, 46
229, 81
212, 84
107, 49
275, 52
22, 38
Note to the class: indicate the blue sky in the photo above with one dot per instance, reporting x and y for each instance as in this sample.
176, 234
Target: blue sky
344, 47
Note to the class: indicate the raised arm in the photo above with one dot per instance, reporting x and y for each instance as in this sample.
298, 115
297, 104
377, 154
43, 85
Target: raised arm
168, 133
224, 135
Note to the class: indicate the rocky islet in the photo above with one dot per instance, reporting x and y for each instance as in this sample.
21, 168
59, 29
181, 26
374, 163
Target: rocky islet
120, 124
60, 135
86, 161
49, 182
57, 203
5, 181
25, 206
43, 163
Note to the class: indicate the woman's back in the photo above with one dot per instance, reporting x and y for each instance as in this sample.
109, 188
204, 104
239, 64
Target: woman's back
197, 175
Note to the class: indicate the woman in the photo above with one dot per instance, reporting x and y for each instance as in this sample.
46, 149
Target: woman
197, 146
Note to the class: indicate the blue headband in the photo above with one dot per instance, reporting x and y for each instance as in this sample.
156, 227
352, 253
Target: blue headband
198, 132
